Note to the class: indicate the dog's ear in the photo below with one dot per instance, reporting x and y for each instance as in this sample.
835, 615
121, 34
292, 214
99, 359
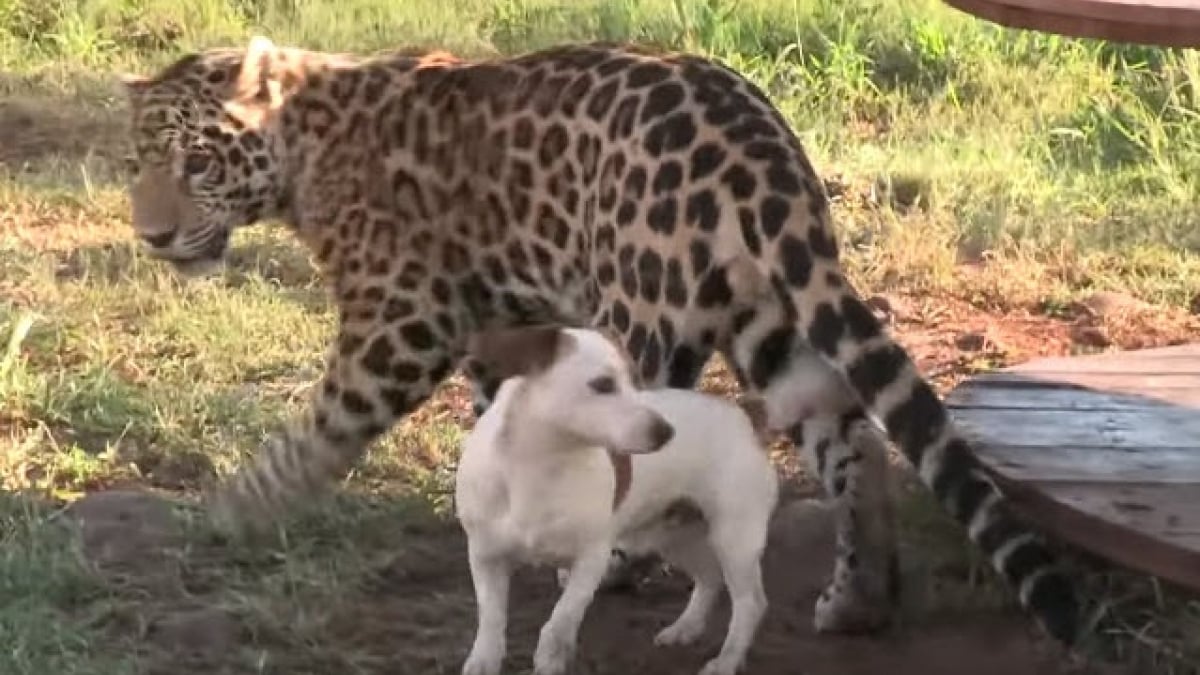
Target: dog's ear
525, 350
635, 375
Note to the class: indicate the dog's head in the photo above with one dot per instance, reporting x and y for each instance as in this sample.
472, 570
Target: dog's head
577, 380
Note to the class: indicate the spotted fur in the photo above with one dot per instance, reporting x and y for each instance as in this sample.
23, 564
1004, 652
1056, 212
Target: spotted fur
582, 185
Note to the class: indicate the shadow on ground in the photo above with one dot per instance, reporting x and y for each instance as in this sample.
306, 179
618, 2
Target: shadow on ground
411, 610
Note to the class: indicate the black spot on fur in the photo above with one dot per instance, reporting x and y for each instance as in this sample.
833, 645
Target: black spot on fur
650, 271
914, 424
766, 151
826, 329
714, 290
646, 74
743, 319
601, 100
355, 403
859, 319
662, 216
554, 143
954, 470
605, 273
685, 367
662, 99
969, 497
418, 336
668, 177
740, 181
651, 360
771, 356
674, 133
773, 213
398, 308
396, 400
626, 213
523, 134
637, 342
625, 266
701, 256
635, 183
822, 242
378, 357
781, 179
676, 291
796, 262
620, 125
620, 316
749, 223
749, 128
406, 371
706, 159
703, 210
1054, 598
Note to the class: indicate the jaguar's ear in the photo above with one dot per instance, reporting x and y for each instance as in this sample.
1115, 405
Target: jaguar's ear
526, 350
254, 80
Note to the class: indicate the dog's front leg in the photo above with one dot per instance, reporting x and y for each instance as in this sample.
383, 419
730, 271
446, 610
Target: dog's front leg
556, 644
490, 574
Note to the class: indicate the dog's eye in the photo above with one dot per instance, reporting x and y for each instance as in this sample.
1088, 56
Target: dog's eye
603, 385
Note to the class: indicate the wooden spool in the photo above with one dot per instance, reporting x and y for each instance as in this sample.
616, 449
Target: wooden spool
1166, 23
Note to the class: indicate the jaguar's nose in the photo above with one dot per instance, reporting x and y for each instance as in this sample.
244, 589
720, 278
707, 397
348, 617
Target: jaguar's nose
160, 240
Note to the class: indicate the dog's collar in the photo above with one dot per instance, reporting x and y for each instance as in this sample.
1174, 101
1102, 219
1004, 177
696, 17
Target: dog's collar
623, 470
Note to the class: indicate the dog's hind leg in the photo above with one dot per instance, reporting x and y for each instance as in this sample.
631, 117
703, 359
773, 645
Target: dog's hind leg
739, 545
692, 553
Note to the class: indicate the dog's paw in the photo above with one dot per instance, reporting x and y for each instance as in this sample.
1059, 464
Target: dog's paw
720, 666
481, 665
682, 632
554, 653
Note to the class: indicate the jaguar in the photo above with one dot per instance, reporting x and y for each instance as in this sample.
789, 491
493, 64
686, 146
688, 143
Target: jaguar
659, 196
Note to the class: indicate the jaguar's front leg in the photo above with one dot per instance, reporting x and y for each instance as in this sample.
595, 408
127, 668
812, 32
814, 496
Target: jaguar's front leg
374, 375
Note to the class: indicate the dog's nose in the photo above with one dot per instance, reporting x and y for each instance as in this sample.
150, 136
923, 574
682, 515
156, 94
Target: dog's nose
661, 433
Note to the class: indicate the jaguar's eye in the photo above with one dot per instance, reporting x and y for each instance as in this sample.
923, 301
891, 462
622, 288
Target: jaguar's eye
196, 162
603, 385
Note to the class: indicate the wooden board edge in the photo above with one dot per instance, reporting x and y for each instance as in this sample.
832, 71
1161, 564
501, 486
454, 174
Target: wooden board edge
1081, 27
1125, 547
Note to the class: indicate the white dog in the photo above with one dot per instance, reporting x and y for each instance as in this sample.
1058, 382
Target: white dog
572, 460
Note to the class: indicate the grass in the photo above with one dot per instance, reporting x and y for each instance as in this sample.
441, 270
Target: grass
1051, 167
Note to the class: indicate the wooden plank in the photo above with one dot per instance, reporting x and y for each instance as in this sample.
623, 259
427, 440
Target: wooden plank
1149, 528
1179, 363
1101, 451
1020, 394
1155, 22
1168, 427
1110, 466
1179, 390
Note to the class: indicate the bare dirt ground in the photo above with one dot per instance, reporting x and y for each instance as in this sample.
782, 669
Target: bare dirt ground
416, 615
